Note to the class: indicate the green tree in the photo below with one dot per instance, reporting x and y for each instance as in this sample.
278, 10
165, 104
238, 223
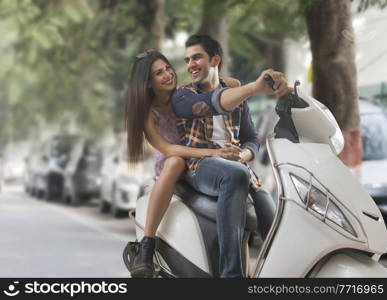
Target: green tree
365, 4
258, 30
70, 56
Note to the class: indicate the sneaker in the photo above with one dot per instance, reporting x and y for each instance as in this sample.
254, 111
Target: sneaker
141, 263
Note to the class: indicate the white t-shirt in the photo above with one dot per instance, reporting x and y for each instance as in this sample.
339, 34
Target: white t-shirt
220, 135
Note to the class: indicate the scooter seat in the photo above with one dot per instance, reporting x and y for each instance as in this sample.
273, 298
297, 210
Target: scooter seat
205, 205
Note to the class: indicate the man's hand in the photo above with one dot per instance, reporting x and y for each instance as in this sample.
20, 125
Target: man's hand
280, 84
230, 152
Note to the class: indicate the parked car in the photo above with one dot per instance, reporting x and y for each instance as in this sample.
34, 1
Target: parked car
120, 182
81, 175
13, 166
60, 150
46, 164
372, 172
35, 164
13, 170
1, 171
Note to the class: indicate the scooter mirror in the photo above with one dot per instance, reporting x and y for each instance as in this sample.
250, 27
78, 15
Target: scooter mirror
304, 119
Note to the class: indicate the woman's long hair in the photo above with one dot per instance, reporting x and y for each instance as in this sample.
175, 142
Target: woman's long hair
139, 98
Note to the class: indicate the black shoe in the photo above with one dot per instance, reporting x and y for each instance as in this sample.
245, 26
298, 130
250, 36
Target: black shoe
141, 263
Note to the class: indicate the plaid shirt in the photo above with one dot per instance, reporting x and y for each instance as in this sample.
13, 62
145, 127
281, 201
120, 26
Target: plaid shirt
194, 110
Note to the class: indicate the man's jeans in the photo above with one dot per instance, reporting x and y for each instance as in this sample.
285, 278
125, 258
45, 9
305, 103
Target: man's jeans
265, 209
229, 181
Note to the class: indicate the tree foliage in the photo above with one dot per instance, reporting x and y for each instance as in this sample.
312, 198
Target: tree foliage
67, 56
65, 62
365, 4
256, 29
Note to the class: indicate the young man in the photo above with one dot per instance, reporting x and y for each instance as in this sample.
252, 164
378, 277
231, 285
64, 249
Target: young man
212, 115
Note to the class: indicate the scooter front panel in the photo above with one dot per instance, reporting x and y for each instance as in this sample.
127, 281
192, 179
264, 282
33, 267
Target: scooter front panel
180, 229
338, 179
300, 242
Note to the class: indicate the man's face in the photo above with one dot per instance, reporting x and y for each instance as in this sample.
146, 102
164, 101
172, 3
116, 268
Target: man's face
198, 63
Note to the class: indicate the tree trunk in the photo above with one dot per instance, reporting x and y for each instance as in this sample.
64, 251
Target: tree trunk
334, 70
154, 23
214, 24
275, 54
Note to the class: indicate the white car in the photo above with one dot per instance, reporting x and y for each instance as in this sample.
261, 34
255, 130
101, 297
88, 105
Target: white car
373, 171
120, 182
13, 164
1, 172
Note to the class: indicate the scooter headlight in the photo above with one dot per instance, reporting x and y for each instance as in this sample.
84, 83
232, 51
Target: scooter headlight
321, 203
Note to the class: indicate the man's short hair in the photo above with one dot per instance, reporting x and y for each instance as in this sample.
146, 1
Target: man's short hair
210, 45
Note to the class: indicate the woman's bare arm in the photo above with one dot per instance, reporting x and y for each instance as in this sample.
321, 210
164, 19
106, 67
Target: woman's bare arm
168, 149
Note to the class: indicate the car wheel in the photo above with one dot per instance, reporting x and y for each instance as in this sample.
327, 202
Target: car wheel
74, 199
63, 196
39, 194
49, 191
49, 194
104, 207
115, 211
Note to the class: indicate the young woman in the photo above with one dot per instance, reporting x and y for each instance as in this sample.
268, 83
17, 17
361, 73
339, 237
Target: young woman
149, 116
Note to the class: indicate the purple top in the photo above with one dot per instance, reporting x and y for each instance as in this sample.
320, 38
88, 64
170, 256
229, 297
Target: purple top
168, 130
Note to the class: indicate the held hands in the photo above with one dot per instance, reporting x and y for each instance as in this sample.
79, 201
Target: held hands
280, 84
229, 151
232, 152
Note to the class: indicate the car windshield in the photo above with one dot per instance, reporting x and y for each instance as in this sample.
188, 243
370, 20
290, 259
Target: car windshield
91, 160
62, 145
374, 136
91, 163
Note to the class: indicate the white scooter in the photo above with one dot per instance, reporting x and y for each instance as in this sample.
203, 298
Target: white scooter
326, 225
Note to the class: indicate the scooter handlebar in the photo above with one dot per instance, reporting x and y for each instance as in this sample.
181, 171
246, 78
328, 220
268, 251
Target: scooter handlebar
269, 80
289, 100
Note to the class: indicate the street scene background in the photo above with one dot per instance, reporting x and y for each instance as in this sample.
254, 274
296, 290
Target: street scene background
66, 187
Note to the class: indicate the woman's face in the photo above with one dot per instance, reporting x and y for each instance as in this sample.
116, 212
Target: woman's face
163, 77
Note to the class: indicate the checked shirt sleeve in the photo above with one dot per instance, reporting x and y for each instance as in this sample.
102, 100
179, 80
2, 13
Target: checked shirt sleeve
189, 104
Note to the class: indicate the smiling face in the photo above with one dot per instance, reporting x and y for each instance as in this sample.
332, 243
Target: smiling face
162, 77
199, 65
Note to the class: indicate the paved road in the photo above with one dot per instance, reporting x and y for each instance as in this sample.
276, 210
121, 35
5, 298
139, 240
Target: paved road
41, 239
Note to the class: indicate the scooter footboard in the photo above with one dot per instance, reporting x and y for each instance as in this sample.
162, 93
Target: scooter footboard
349, 264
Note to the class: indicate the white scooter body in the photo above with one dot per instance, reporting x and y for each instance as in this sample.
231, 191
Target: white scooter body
338, 232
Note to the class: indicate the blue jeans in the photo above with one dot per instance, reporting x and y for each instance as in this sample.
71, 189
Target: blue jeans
229, 181
265, 209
